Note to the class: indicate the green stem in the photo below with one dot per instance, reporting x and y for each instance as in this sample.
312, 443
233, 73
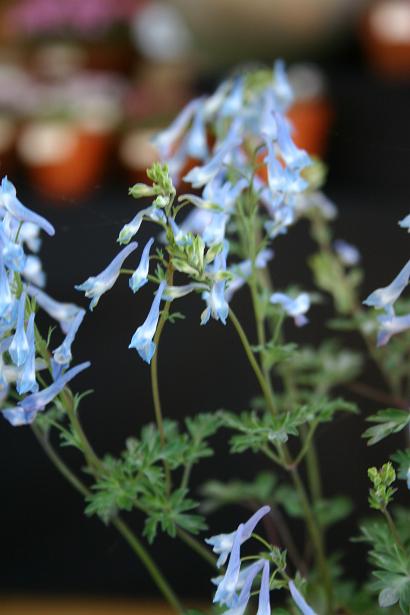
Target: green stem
312, 464
316, 538
393, 529
196, 546
249, 353
118, 523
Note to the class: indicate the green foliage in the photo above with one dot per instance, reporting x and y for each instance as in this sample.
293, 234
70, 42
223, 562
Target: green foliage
170, 512
389, 421
391, 563
137, 479
330, 275
218, 494
324, 367
381, 493
402, 458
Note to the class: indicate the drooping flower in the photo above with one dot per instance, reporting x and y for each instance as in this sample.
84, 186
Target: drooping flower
282, 88
26, 410
33, 271
63, 313
240, 603
296, 307
26, 381
19, 347
95, 286
12, 253
348, 254
384, 298
222, 543
226, 589
196, 144
299, 600
217, 305
294, 157
140, 275
62, 355
130, 229
166, 140
233, 102
9, 200
391, 325
142, 338
264, 600
6, 299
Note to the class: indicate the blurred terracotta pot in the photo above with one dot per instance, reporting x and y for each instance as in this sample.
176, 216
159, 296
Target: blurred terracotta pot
117, 56
386, 37
64, 160
8, 136
311, 121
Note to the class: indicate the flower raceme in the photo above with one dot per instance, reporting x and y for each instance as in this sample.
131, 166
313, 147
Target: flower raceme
20, 296
235, 587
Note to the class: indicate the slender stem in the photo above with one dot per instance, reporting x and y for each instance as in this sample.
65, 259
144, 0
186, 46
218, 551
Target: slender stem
196, 546
316, 538
249, 353
149, 563
154, 362
120, 525
312, 464
393, 529
93, 460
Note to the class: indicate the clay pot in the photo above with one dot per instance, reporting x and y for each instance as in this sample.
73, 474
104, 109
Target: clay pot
311, 121
385, 36
64, 160
137, 153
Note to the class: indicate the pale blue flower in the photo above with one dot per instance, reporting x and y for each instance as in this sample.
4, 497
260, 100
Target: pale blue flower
384, 298
62, 355
95, 286
233, 102
217, 305
33, 271
294, 157
391, 325
264, 600
405, 223
12, 253
11, 203
214, 233
6, 298
19, 347
180, 236
196, 143
30, 235
63, 313
299, 600
282, 179
348, 254
26, 381
408, 478
129, 230
196, 221
226, 589
283, 90
167, 139
240, 603
26, 410
142, 338
140, 275
223, 543
199, 176
241, 272
283, 217
295, 307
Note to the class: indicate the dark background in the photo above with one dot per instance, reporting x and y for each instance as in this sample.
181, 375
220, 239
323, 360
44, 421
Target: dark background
47, 546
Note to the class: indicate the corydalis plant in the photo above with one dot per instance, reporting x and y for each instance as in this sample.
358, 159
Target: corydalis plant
250, 184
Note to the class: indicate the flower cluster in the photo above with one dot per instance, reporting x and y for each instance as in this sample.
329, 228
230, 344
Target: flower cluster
385, 298
21, 277
236, 150
235, 587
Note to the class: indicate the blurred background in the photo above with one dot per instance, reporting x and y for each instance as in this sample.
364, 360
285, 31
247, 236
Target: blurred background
83, 86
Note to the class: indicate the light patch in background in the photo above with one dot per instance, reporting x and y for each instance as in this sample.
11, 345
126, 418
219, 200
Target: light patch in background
391, 21
160, 32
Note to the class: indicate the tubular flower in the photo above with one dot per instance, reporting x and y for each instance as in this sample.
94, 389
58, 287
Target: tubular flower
62, 355
26, 381
19, 348
15, 208
63, 313
140, 275
96, 286
26, 410
299, 600
348, 254
142, 338
296, 307
217, 305
384, 298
